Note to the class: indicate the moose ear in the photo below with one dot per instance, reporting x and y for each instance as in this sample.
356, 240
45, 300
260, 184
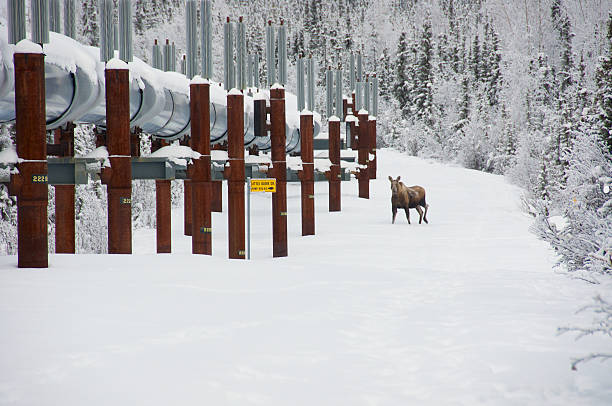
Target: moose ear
398, 178
390, 179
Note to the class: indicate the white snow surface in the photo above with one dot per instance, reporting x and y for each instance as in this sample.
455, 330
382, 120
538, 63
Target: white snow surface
116, 63
98, 153
25, 46
9, 155
199, 80
460, 311
176, 151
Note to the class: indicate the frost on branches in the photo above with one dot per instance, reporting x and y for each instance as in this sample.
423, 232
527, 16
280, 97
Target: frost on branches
602, 324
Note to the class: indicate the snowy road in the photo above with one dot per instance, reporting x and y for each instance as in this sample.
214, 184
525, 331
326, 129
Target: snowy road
462, 311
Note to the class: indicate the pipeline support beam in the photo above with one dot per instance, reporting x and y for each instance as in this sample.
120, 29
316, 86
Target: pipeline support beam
307, 174
32, 197
363, 144
279, 171
64, 198
201, 188
333, 175
235, 175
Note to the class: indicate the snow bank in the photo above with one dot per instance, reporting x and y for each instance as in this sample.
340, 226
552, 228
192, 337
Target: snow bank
9, 155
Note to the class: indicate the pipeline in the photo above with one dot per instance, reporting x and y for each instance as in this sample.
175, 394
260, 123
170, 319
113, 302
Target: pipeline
159, 101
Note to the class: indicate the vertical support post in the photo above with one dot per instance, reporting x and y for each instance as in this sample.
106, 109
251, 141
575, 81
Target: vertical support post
206, 38
352, 73
69, 18
333, 175
300, 83
372, 147
119, 187
279, 171
270, 60
307, 173
107, 31
329, 91
353, 134
64, 199
39, 17
310, 73
228, 53
187, 209
163, 209
338, 95
201, 242
32, 196
163, 212
167, 58
366, 93
54, 16
16, 21
363, 142
359, 68
256, 82
241, 74
217, 196
125, 32
235, 183
156, 59
250, 64
191, 38
187, 198
282, 53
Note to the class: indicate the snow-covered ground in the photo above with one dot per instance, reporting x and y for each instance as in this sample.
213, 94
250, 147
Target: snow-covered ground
462, 311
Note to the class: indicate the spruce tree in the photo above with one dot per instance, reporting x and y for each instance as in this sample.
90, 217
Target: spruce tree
423, 86
385, 74
89, 23
563, 26
603, 96
401, 87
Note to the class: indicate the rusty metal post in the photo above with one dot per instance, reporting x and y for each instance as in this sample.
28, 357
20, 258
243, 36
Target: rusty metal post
64, 198
353, 125
353, 135
163, 206
217, 196
279, 171
201, 193
119, 187
187, 209
372, 148
163, 209
333, 176
32, 193
363, 144
235, 175
307, 174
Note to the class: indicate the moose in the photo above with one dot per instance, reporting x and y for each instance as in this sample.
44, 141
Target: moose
405, 197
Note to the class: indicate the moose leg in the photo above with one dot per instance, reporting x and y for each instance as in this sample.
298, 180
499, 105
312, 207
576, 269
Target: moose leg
425, 216
394, 210
407, 214
420, 213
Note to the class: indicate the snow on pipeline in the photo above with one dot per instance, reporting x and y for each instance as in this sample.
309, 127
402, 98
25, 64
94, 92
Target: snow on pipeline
461, 311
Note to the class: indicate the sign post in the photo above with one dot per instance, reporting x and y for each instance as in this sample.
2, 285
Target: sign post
256, 185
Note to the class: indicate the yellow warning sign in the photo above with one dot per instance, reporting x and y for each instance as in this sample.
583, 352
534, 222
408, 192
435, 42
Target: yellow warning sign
263, 185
